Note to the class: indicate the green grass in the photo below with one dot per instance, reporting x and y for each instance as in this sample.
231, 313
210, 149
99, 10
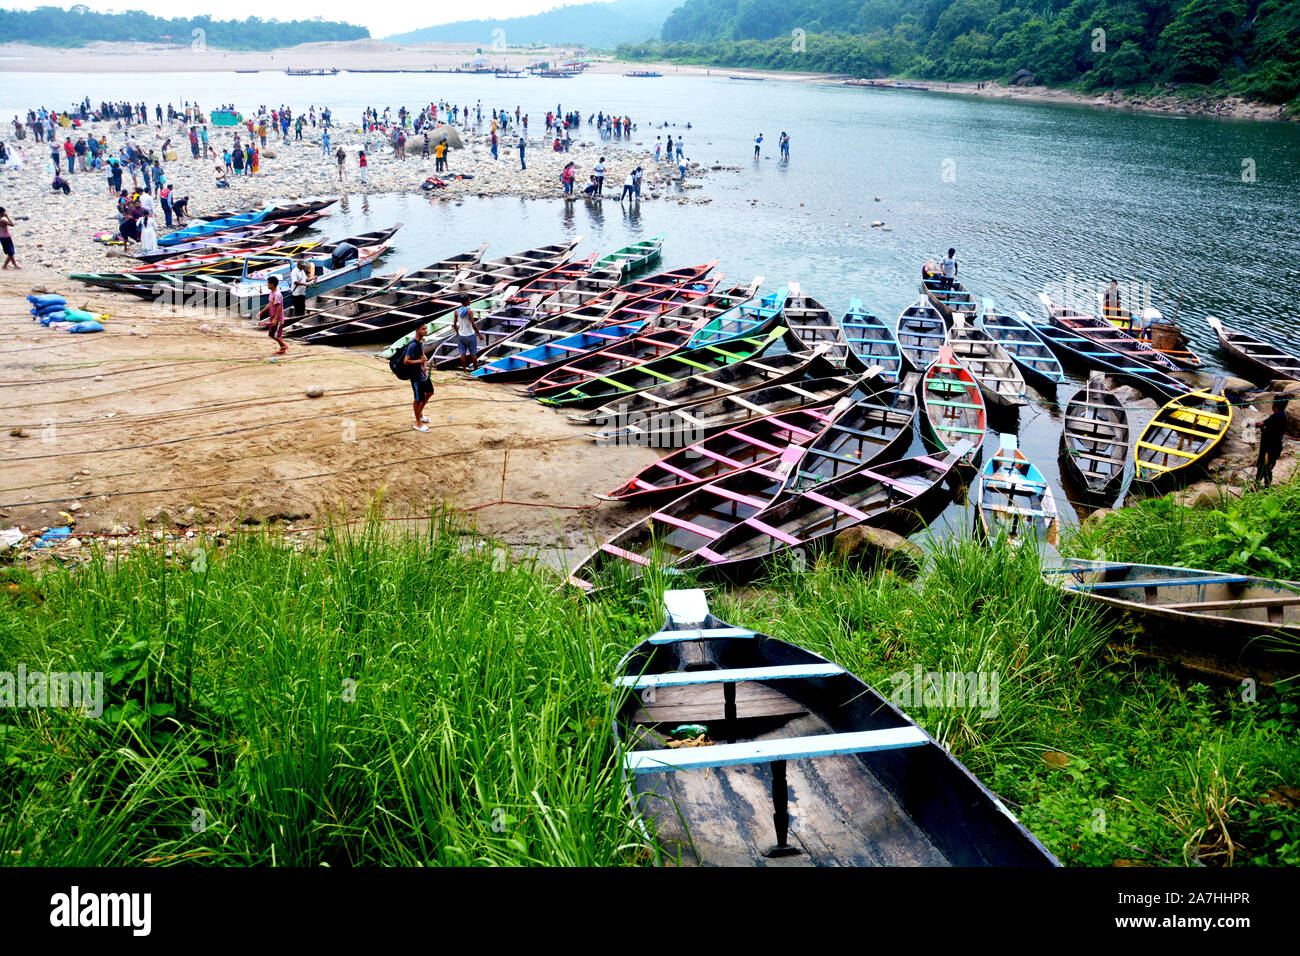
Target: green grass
394, 699
1256, 534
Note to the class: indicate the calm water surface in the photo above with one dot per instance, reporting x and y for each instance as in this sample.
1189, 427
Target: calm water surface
1033, 196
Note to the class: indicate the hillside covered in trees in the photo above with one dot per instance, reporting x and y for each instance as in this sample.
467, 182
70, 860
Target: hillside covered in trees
1247, 46
77, 26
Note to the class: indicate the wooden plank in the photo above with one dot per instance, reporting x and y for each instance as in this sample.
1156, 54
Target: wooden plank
729, 676
767, 751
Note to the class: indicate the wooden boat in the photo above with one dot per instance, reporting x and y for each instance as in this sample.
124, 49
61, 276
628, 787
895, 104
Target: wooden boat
898, 496
735, 379
660, 336
812, 323
199, 230
633, 258
232, 239
550, 343
1220, 610
1155, 330
376, 296
350, 301
1180, 440
285, 210
1013, 497
518, 268
643, 74
753, 443
1082, 351
1266, 361
686, 524
951, 301
871, 342
683, 425
999, 379
741, 317
873, 788
399, 311
1096, 442
867, 426
1104, 334
577, 291
677, 365
311, 71
201, 261
1021, 341
921, 330
953, 406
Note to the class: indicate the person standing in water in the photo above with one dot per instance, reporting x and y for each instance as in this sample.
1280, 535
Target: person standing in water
758, 142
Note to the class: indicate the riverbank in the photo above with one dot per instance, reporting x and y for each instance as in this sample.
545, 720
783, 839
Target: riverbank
54, 230
181, 422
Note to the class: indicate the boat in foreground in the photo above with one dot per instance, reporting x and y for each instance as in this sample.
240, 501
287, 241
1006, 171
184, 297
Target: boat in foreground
1013, 497
872, 788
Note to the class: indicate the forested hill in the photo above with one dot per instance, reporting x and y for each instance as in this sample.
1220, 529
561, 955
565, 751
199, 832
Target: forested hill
77, 26
1249, 46
605, 25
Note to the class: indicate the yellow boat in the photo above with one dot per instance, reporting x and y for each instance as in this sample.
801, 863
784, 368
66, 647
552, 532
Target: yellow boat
1181, 438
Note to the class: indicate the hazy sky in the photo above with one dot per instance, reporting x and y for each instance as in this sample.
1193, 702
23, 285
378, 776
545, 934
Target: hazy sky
383, 17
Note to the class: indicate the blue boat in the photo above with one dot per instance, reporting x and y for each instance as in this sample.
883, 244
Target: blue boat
871, 341
190, 233
544, 356
742, 319
1026, 347
1074, 347
921, 331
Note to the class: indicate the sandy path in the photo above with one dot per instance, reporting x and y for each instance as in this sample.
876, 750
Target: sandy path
178, 426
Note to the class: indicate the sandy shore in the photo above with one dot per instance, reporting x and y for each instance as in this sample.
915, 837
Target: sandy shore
57, 228
156, 422
380, 55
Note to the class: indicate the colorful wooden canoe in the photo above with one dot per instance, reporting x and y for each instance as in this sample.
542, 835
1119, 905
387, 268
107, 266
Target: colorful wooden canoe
398, 314
950, 302
1096, 442
1147, 330
681, 426
686, 524
1180, 440
744, 315
200, 230
1082, 351
898, 496
921, 330
735, 379
953, 406
633, 258
1104, 334
747, 445
1013, 497
680, 364
868, 425
537, 350
1040, 367
872, 787
871, 341
1266, 361
998, 376
812, 323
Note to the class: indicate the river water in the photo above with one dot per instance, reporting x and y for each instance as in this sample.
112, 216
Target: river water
1195, 214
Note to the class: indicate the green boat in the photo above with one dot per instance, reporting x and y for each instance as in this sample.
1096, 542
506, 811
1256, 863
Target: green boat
632, 258
668, 368
226, 118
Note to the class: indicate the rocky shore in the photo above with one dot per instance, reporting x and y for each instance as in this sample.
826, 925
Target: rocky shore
55, 230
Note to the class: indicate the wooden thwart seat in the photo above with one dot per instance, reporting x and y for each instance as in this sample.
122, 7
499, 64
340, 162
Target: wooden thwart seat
732, 676
772, 751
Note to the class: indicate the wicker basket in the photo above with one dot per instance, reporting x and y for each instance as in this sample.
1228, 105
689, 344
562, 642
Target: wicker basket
1165, 337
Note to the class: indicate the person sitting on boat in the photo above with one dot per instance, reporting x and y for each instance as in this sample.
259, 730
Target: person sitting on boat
949, 267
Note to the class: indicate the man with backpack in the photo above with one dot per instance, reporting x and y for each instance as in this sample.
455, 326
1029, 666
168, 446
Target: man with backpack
410, 363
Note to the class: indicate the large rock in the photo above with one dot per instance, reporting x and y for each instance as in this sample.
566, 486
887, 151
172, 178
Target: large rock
874, 545
1023, 78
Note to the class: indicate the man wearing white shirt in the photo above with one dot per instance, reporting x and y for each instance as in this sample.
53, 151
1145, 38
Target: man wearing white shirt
599, 173
298, 289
